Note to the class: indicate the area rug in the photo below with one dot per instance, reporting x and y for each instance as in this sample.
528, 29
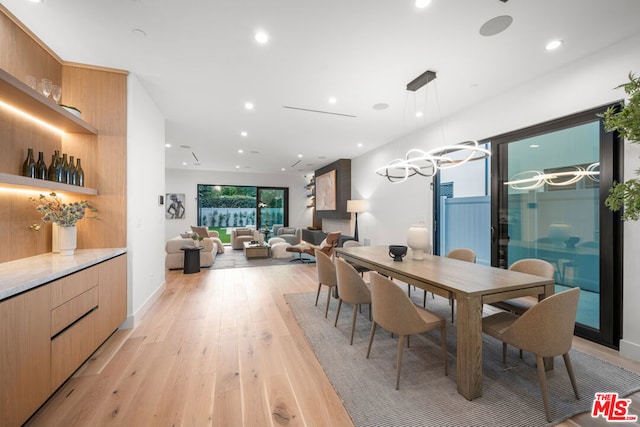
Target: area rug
511, 394
234, 258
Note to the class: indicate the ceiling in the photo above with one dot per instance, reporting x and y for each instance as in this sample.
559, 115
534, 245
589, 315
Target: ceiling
200, 64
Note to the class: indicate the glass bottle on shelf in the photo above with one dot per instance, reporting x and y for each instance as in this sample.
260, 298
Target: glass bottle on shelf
79, 174
41, 167
59, 174
29, 165
72, 172
52, 166
65, 169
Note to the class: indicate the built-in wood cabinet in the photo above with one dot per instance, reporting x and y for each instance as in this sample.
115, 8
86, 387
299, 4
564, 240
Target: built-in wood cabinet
48, 332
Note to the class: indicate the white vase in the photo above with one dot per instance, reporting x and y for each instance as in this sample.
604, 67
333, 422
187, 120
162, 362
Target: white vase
67, 240
418, 241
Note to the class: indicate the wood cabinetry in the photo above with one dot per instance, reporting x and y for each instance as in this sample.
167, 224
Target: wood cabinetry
48, 332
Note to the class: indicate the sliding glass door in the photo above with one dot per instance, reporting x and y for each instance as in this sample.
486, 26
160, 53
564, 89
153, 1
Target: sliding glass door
549, 204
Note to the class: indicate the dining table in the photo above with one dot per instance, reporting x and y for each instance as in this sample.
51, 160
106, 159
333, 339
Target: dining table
471, 285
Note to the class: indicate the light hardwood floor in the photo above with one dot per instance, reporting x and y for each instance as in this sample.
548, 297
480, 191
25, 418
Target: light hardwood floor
219, 348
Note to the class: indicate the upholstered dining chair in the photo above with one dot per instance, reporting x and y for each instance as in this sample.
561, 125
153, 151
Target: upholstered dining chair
326, 270
355, 244
394, 311
536, 267
546, 330
461, 254
353, 290
327, 246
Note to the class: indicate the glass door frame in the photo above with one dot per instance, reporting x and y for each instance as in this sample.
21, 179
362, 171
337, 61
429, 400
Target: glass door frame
611, 236
285, 205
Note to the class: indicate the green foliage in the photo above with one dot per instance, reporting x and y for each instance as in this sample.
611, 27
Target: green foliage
626, 122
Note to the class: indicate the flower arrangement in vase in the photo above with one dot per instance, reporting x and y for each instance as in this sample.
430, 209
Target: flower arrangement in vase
197, 239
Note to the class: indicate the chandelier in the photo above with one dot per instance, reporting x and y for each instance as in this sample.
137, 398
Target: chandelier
428, 163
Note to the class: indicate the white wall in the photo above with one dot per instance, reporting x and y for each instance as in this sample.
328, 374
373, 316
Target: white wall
580, 86
145, 217
186, 182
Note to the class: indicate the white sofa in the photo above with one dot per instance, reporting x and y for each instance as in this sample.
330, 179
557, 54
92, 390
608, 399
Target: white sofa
174, 258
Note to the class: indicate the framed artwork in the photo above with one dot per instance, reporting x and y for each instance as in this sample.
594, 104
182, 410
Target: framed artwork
326, 191
175, 210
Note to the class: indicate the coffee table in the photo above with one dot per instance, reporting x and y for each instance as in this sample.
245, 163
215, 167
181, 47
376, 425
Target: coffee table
256, 250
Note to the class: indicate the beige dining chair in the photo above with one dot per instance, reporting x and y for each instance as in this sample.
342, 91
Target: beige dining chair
355, 244
546, 330
353, 290
326, 271
394, 311
461, 254
535, 267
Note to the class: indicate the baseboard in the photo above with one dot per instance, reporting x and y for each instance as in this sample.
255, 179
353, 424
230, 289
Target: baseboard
630, 350
133, 319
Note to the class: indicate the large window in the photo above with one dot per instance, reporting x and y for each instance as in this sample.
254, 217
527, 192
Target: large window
223, 207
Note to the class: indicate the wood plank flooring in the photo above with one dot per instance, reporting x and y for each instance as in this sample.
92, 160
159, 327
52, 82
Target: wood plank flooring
220, 348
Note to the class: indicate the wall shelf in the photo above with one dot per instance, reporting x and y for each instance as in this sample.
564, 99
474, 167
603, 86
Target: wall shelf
18, 95
26, 183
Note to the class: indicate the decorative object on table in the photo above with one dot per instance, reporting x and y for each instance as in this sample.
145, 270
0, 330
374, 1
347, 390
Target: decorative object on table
41, 167
65, 216
428, 163
197, 239
176, 209
397, 252
626, 195
418, 240
29, 165
356, 206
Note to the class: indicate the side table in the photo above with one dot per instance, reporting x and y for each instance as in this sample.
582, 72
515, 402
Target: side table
191, 259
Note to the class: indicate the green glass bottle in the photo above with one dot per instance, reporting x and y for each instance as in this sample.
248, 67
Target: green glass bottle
52, 166
65, 169
29, 165
41, 167
79, 174
72, 172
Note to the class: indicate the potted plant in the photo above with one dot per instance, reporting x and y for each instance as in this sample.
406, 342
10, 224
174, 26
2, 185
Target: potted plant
64, 216
626, 195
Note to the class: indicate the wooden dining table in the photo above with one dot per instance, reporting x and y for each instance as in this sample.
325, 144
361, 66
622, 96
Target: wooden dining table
470, 284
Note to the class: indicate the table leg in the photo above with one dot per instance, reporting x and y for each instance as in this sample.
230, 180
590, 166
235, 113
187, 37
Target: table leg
548, 291
469, 346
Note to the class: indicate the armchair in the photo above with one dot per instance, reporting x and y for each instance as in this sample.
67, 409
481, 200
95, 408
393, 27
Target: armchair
241, 235
292, 235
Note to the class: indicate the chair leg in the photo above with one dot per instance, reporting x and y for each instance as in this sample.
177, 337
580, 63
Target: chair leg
373, 331
400, 348
369, 312
543, 386
318, 294
353, 322
567, 363
338, 312
443, 339
504, 353
409, 290
424, 300
326, 310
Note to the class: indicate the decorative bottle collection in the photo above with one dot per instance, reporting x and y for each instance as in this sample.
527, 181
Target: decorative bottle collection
61, 169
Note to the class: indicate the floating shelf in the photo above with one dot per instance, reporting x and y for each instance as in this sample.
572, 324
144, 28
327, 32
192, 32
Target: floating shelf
18, 95
25, 183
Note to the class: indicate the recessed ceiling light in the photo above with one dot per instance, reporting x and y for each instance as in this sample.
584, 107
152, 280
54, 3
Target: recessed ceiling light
421, 4
167, 145
248, 105
534, 146
553, 44
299, 155
418, 114
332, 100
282, 169
184, 163
380, 106
36, 1
240, 151
243, 133
237, 166
359, 144
261, 37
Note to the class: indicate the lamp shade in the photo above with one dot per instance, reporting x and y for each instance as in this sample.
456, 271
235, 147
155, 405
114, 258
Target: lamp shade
356, 206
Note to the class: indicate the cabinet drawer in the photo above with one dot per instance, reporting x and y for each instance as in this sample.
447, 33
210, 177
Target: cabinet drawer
72, 347
70, 311
69, 287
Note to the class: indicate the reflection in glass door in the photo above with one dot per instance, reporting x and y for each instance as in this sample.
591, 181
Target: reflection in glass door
550, 207
271, 207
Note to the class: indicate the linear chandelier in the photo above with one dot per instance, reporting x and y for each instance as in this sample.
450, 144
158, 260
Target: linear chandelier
532, 179
428, 163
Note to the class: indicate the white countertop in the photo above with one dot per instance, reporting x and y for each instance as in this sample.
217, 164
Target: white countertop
27, 273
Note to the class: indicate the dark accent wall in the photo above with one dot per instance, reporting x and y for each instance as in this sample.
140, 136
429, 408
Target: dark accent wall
343, 191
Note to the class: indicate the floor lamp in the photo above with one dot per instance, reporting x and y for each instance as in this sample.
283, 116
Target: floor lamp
355, 206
